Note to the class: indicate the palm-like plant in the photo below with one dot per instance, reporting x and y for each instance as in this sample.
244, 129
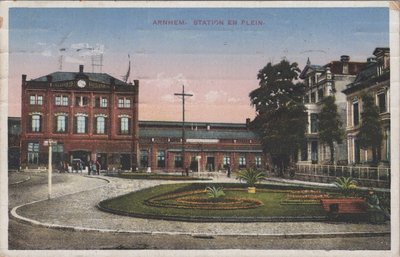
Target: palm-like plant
215, 192
346, 184
251, 176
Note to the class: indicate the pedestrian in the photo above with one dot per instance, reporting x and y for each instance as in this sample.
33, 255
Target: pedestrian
98, 167
229, 170
90, 167
93, 167
80, 165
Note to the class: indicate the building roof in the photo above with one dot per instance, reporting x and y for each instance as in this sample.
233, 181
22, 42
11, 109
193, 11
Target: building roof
165, 129
337, 67
66, 76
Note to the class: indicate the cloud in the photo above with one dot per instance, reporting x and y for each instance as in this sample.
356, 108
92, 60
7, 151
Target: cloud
215, 96
168, 98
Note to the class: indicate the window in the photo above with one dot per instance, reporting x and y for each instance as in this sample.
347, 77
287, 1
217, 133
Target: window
304, 152
124, 127
33, 153
258, 161
382, 102
178, 161
100, 125
61, 100
314, 122
144, 159
61, 124
36, 123
36, 100
306, 99
242, 161
226, 161
313, 97
124, 102
160, 159
356, 115
81, 101
101, 102
320, 94
80, 124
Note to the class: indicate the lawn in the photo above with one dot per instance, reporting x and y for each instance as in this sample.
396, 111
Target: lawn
276, 204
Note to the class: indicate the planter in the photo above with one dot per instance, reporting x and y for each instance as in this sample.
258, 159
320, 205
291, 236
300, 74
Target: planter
251, 190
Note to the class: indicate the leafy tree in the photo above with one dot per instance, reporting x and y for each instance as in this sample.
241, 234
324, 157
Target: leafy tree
370, 133
330, 125
281, 118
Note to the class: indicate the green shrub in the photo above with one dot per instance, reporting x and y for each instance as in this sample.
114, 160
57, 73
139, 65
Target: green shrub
347, 185
250, 176
215, 192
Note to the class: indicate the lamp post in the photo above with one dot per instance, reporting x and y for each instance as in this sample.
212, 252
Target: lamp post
50, 167
183, 123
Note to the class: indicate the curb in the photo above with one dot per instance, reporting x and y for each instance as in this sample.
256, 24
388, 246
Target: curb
15, 215
19, 182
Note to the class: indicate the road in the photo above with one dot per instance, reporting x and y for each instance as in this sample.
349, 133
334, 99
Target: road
24, 236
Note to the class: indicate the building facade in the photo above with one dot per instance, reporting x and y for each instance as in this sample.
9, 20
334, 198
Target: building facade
91, 116
375, 79
217, 145
14, 131
321, 81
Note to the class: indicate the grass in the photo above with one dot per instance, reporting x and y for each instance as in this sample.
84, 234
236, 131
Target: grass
271, 196
156, 176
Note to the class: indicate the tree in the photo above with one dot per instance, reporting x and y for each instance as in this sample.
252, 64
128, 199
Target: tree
370, 133
330, 125
281, 118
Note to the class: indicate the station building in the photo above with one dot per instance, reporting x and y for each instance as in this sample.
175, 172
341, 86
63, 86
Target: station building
212, 145
91, 116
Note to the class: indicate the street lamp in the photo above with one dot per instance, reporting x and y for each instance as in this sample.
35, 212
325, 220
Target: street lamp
50, 143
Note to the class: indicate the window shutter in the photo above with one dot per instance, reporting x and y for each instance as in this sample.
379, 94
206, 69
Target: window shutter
120, 125
86, 124
75, 124
40, 123
95, 125
29, 128
66, 124
105, 125
55, 128
129, 125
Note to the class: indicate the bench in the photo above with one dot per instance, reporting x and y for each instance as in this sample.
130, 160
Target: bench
344, 206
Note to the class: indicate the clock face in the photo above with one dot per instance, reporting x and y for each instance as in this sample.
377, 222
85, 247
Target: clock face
81, 83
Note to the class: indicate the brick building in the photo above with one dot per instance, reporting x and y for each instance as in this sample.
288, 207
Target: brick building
90, 115
218, 144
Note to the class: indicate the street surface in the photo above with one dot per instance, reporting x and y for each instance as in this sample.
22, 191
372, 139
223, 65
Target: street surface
73, 205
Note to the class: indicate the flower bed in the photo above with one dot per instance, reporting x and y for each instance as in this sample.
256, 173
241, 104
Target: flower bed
197, 200
304, 197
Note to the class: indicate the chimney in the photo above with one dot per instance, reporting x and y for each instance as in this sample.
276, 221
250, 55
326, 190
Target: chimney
371, 60
23, 78
136, 82
248, 123
81, 68
49, 78
344, 59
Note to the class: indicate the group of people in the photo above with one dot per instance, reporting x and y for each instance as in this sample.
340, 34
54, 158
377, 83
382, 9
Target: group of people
78, 166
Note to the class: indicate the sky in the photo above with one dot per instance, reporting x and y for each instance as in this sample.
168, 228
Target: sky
202, 48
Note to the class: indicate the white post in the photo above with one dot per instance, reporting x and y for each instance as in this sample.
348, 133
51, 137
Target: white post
198, 165
50, 168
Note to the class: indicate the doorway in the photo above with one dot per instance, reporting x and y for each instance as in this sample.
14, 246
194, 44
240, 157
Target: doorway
210, 163
125, 161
